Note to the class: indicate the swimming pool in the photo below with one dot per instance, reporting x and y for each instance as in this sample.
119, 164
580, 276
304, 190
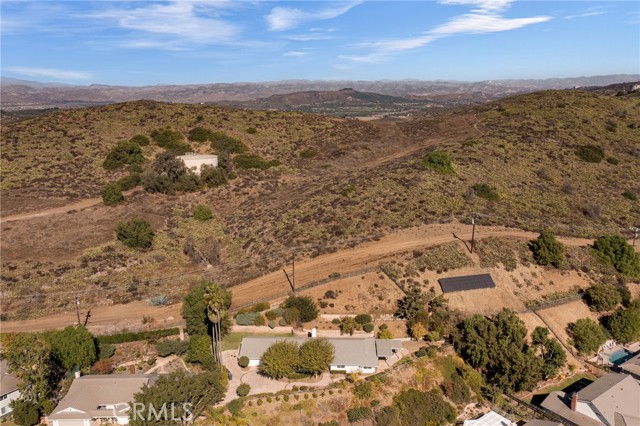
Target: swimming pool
620, 357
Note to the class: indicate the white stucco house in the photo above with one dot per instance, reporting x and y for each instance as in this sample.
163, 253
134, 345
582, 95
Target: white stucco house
194, 162
8, 389
351, 354
94, 400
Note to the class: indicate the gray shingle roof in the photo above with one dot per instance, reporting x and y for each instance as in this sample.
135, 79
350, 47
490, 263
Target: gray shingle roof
88, 392
614, 393
632, 366
385, 347
8, 382
348, 351
560, 403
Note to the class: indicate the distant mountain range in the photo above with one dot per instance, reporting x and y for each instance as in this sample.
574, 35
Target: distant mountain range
290, 94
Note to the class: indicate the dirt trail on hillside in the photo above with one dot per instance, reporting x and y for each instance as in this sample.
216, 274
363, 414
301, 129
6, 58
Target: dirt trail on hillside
274, 285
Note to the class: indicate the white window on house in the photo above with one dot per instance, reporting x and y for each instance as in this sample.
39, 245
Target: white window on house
3, 397
341, 366
2, 410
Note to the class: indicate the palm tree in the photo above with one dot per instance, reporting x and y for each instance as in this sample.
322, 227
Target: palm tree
217, 300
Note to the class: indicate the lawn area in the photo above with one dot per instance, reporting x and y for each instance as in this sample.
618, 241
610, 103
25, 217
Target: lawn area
233, 340
577, 380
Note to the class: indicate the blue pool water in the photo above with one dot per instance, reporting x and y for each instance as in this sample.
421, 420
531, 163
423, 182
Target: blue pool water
620, 357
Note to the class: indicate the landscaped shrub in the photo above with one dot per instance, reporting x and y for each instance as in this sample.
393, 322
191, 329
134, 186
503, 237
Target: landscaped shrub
590, 153
485, 191
243, 361
305, 305
368, 328
212, 176
235, 407
124, 153
261, 306
171, 347
224, 143
363, 390
136, 233
439, 161
202, 213
363, 319
282, 322
247, 318
587, 335
271, 315
243, 389
272, 324
359, 413
106, 350
112, 195
291, 316
259, 320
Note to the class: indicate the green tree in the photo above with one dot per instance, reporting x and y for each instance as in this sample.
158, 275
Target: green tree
363, 390
602, 297
170, 140
199, 134
125, 152
112, 194
217, 301
305, 305
417, 408
212, 176
177, 390
363, 319
280, 359
587, 335
136, 233
616, 251
29, 358
411, 304
291, 316
74, 347
418, 331
547, 250
315, 356
624, 324
554, 358
202, 213
194, 311
540, 336
243, 389
348, 325
199, 352
388, 416
25, 413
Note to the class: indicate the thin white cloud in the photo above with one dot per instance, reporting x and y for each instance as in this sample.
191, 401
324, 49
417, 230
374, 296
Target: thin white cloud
287, 18
486, 16
295, 53
184, 22
53, 73
592, 11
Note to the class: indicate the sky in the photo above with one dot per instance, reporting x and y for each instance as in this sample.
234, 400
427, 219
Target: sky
225, 41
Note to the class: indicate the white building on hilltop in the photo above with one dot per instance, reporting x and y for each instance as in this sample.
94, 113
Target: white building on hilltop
194, 162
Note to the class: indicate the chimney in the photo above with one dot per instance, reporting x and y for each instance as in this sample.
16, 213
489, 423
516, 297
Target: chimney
77, 374
574, 401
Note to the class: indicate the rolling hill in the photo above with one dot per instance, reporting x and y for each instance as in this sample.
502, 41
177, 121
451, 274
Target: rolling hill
568, 160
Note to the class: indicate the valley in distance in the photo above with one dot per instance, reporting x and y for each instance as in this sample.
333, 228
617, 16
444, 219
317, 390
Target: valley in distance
322, 253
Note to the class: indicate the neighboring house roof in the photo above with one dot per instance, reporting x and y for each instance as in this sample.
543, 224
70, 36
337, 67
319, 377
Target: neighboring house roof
8, 382
87, 393
614, 393
560, 403
632, 366
348, 351
489, 419
385, 348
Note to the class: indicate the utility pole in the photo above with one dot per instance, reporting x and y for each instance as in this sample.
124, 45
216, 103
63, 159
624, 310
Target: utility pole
473, 231
293, 273
636, 232
78, 309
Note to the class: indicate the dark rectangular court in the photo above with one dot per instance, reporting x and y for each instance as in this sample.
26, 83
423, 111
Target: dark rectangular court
470, 282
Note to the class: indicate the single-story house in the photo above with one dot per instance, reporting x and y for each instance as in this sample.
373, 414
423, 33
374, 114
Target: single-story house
489, 419
611, 400
8, 389
98, 399
195, 162
351, 354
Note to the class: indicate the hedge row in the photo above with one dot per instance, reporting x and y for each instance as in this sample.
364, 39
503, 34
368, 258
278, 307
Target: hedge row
134, 337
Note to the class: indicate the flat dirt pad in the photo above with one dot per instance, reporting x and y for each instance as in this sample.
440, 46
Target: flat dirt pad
372, 293
559, 317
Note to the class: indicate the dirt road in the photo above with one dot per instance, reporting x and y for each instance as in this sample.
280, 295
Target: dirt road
274, 284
